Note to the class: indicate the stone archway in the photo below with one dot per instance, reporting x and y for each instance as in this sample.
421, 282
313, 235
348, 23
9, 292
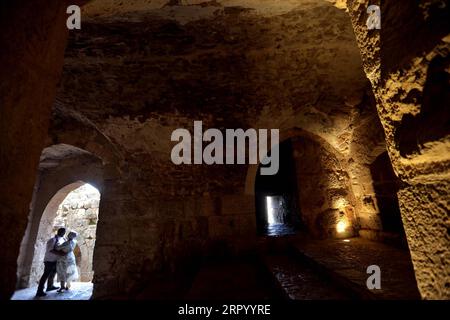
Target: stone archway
28, 249
63, 169
79, 212
65, 209
276, 197
326, 196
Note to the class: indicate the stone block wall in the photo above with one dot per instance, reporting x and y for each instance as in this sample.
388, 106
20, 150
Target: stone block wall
31, 67
140, 238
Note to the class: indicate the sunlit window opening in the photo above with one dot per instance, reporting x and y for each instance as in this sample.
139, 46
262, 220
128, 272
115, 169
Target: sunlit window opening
274, 208
341, 226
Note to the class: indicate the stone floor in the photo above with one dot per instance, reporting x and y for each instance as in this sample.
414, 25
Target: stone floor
292, 268
347, 261
78, 291
280, 229
298, 281
279, 275
231, 280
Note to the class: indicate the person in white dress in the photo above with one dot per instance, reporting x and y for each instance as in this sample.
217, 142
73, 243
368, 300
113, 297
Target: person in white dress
66, 267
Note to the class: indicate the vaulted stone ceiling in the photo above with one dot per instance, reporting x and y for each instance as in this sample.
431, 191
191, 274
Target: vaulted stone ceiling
267, 7
142, 68
52, 157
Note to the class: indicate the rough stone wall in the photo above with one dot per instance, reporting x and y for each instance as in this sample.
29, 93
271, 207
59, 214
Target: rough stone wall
407, 62
367, 142
325, 195
195, 68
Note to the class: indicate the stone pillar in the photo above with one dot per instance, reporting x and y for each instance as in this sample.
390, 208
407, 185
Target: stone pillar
32, 41
407, 62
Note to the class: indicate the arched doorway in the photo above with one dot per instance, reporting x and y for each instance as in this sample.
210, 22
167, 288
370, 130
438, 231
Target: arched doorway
319, 189
79, 212
59, 199
74, 207
276, 204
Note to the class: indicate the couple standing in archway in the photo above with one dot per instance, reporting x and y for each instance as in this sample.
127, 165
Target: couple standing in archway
59, 259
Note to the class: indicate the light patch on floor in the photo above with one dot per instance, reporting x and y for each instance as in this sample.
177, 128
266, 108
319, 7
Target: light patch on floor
78, 291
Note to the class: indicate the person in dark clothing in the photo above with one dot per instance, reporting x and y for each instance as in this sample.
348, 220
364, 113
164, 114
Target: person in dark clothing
50, 259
